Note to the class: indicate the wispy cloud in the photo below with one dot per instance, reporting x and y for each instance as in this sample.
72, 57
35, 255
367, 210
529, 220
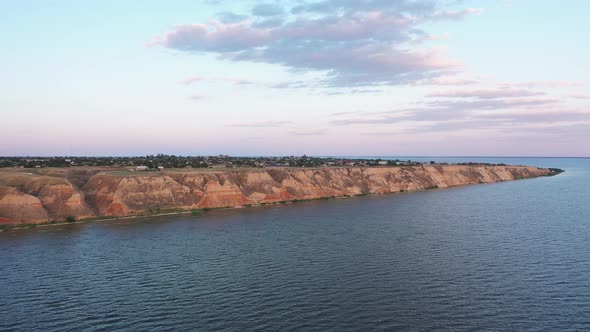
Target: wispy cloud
197, 97
195, 79
264, 124
487, 93
341, 92
545, 84
475, 105
579, 96
446, 80
318, 132
456, 14
499, 115
375, 118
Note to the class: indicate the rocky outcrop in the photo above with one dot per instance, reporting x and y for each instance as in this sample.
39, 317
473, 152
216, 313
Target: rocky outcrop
16, 206
28, 197
39, 197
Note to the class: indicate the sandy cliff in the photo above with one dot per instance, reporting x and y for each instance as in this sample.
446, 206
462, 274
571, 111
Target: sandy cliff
54, 195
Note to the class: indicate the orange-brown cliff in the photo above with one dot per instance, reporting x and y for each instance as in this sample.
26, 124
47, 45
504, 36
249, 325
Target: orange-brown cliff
57, 194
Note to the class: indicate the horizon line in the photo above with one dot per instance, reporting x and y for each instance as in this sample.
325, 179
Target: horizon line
292, 155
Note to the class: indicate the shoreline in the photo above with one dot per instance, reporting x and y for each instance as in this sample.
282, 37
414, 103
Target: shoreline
22, 226
199, 212
64, 197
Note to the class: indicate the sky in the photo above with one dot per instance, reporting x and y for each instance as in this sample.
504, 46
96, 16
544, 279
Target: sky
294, 77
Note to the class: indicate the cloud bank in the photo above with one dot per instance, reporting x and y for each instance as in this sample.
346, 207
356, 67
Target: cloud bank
353, 43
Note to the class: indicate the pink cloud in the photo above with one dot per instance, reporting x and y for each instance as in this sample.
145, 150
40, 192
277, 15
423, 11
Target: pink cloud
456, 15
356, 26
214, 37
545, 84
195, 79
265, 124
447, 80
579, 96
353, 45
487, 94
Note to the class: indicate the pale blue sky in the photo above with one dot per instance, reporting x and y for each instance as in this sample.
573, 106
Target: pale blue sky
326, 77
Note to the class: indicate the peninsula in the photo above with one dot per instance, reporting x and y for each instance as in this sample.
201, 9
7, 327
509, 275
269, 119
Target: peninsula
42, 195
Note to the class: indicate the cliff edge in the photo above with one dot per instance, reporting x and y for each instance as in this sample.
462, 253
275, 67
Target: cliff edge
58, 195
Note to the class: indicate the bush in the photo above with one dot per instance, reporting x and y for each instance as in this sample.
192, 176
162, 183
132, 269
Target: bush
196, 213
70, 219
5, 227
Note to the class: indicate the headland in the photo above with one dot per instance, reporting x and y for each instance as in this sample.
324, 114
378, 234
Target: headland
45, 195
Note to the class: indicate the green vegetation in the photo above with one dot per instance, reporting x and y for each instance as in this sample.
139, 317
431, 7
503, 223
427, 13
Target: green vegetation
10, 227
155, 210
154, 162
5, 228
196, 213
555, 171
70, 219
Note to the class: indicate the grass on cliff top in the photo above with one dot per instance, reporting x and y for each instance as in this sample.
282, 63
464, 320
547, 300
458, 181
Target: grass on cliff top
133, 173
125, 172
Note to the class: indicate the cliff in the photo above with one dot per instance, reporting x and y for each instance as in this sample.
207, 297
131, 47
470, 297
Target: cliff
54, 195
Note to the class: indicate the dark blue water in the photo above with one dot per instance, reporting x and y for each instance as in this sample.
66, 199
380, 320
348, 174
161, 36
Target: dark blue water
506, 256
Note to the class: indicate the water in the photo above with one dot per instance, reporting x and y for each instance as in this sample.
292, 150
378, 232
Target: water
504, 256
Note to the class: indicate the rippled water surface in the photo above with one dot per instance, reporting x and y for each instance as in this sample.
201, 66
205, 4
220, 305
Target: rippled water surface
505, 256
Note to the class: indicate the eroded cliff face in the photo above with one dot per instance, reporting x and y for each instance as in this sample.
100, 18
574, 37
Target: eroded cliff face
27, 197
123, 195
16, 205
39, 197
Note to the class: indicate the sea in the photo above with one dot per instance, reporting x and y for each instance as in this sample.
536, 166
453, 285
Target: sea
510, 256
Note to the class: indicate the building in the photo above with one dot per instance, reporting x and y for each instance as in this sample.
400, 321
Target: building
141, 168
